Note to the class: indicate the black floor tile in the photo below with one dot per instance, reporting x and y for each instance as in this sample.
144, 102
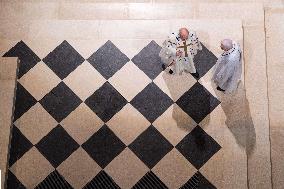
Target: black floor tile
103, 146
204, 60
106, 102
13, 182
150, 181
60, 102
108, 59
24, 101
151, 146
57, 146
53, 181
28, 59
198, 102
152, 102
198, 147
198, 181
102, 181
148, 60
19, 145
63, 60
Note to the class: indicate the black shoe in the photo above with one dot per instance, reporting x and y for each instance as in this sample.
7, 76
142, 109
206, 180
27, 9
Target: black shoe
171, 72
219, 89
164, 66
195, 75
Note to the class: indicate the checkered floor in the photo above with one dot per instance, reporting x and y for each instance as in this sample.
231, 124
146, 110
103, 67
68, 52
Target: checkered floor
108, 121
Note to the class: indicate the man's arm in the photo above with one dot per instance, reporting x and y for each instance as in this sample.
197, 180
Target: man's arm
170, 44
168, 51
195, 44
196, 41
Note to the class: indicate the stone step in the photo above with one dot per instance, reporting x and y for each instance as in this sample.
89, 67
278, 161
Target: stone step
273, 4
7, 89
8, 67
256, 94
211, 32
250, 12
274, 25
147, 1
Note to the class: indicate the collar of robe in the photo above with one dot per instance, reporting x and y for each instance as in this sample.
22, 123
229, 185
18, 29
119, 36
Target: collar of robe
179, 38
228, 52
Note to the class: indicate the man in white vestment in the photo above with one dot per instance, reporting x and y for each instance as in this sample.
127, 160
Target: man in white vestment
179, 50
228, 69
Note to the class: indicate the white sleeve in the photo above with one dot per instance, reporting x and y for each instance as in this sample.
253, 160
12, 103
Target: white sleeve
170, 44
168, 51
195, 44
231, 71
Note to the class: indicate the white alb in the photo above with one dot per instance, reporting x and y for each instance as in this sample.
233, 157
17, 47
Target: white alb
228, 69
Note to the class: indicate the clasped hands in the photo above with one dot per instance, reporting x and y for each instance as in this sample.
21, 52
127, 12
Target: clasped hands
179, 53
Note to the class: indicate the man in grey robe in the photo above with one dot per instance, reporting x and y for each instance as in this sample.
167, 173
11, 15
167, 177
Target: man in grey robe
228, 69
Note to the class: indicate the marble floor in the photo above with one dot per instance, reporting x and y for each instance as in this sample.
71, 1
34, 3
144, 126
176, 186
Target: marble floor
92, 108
100, 121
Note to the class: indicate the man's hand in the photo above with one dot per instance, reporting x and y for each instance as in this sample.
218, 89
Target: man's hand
179, 53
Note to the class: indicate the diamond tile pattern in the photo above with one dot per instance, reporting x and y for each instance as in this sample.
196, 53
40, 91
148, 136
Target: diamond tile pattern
126, 169
204, 60
82, 123
151, 146
39, 80
106, 102
174, 124
24, 101
36, 123
13, 182
151, 102
198, 181
79, 165
32, 168
148, 60
108, 59
166, 170
128, 124
60, 101
81, 81
103, 146
197, 102
149, 181
54, 180
131, 85
19, 145
132, 116
57, 146
198, 147
102, 180
174, 85
63, 59
28, 58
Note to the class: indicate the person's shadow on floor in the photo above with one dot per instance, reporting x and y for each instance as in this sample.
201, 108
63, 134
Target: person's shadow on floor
174, 84
235, 107
238, 117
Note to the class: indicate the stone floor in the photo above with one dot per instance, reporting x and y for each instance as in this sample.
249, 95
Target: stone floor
93, 108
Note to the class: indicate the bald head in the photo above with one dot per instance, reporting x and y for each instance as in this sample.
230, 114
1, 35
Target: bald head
226, 44
183, 33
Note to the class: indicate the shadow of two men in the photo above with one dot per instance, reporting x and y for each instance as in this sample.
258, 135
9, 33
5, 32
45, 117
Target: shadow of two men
235, 107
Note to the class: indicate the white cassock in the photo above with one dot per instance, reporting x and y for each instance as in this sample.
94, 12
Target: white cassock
189, 48
228, 69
